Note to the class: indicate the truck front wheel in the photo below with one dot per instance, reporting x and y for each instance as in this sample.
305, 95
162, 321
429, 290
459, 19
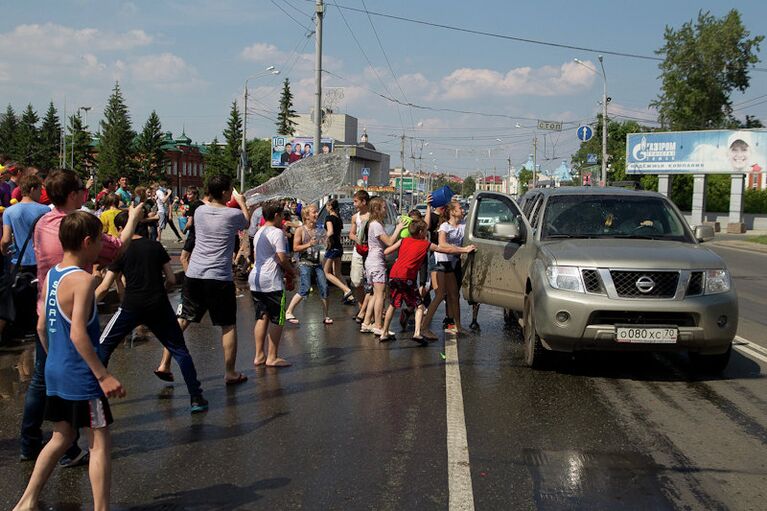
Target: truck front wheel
535, 353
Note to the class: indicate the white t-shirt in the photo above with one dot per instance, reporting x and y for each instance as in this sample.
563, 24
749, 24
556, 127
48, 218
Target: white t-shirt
454, 236
160, 197
376, 247
266, 275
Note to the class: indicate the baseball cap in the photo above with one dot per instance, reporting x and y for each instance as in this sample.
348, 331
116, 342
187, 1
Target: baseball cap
743, 136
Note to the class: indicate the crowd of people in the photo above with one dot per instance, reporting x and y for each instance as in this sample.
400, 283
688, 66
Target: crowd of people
72, 255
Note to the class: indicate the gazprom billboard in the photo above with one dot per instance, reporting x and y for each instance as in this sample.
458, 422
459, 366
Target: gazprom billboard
697, 152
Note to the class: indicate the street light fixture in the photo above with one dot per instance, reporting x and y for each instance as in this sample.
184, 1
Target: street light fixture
244, 153
605, 99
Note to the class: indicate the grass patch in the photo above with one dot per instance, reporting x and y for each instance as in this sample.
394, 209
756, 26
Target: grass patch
762, 240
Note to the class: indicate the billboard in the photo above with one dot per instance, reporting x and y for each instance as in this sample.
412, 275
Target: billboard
288, 149
697, 152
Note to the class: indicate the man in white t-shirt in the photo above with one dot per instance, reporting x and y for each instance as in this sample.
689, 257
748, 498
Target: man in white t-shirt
266, 287
161, 199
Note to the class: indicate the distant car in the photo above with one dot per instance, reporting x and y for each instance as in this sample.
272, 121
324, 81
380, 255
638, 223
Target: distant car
346, 210
421, 208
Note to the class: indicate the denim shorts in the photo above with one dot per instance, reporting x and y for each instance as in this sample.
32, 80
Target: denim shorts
305, 272
334, 253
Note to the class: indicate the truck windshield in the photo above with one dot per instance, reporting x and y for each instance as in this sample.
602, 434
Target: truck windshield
605, 216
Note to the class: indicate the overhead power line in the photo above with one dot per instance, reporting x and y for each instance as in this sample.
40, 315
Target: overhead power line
291, 16
511, 37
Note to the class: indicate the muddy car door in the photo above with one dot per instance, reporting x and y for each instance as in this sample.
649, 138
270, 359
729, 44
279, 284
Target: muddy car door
496, 272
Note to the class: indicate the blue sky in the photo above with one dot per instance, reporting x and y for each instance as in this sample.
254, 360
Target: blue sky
189, 59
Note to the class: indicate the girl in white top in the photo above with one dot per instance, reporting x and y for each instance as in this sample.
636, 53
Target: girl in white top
449, 274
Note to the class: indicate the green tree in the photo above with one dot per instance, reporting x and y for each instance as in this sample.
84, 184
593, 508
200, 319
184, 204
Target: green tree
525, 176
469, 185
752, 122
285, 123
116, 143
233, 137
616, 148
79, 146
28, 137
151, 157
704, 62
215, 160
260, 157
50, 139
8, 126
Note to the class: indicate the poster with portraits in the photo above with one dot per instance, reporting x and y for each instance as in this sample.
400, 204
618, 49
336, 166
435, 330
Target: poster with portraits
287, 150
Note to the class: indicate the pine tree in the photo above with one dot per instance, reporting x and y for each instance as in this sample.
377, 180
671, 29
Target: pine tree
8, 126
116, 144
79, 144
28, 137
50, 140
285, 123
215, 160
151, 157
233, 136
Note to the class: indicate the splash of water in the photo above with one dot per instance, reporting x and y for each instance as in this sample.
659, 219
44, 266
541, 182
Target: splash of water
309, 179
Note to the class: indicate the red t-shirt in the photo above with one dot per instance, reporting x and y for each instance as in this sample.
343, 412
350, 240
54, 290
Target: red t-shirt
411, 254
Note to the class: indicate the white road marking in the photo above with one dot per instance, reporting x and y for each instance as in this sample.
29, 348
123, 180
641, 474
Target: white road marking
461, 494
750, 349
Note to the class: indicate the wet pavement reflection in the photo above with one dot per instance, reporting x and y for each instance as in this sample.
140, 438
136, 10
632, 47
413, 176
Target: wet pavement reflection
357, 424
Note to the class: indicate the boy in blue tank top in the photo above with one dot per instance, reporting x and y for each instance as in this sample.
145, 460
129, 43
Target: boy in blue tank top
78, 384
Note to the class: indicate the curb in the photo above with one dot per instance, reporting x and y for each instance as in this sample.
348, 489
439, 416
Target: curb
746, 246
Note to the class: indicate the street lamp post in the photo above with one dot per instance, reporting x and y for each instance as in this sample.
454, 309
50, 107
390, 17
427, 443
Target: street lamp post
605, 99
244, 151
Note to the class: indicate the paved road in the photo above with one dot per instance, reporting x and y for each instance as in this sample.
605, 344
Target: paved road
358, 425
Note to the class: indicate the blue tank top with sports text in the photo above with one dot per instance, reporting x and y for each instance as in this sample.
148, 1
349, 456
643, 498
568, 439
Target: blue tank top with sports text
67, 375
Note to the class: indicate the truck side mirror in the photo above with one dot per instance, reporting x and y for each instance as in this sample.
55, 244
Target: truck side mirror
704, 233
506, 231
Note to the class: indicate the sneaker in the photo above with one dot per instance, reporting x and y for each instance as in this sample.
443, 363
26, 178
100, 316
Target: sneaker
199, 404
451, 329
446, 321
28, 456
80, 459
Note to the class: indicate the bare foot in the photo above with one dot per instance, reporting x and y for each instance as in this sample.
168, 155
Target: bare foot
278, 362
25, 505
236, 379
259, 361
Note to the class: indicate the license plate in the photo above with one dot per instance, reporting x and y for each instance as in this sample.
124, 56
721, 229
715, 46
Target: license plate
646, 335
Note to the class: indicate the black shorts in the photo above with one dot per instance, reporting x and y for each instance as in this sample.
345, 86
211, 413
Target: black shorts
92, 413
272, 304
218, 297
447, 267
189, 242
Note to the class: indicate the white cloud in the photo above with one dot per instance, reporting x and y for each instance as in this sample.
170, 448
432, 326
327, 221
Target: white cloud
51, 41
298, 64
470, 83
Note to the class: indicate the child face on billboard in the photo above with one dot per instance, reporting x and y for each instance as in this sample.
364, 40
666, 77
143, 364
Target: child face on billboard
739, 155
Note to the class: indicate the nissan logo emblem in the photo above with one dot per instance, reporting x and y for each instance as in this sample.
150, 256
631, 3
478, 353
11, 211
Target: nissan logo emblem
645, 284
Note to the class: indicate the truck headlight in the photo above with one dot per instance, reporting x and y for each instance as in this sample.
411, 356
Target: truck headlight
567, 278
717, 281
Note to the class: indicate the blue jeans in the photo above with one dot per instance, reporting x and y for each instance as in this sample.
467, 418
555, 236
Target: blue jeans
305, 271
161, 320
34, 409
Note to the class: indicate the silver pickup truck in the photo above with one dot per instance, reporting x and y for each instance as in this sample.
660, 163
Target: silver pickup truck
601, 269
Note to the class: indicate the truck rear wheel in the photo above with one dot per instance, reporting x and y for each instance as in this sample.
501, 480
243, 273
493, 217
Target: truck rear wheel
535, 353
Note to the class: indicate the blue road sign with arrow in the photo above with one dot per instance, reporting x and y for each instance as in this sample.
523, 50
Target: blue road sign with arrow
365, 171
584, 133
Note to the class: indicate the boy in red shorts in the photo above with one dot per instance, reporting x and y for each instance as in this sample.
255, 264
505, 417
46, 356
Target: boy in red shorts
403, 286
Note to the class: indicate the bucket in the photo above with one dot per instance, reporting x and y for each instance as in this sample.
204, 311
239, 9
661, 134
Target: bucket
441, 196
182, 220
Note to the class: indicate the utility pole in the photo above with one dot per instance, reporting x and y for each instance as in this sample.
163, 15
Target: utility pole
319, 10
64, 138
603, 178
402, 171
535, 157
244, 151
508, 188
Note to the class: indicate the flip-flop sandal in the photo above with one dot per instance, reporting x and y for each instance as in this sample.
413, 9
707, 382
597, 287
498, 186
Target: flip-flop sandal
347, 296
164, 375
387, 338
432, 337
292, 320
358, 319
241, 378
420, 340
327, 321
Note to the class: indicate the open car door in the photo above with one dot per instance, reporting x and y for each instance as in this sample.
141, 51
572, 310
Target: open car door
496, 273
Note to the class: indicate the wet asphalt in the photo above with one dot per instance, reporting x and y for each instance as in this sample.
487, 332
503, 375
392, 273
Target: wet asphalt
354, 424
